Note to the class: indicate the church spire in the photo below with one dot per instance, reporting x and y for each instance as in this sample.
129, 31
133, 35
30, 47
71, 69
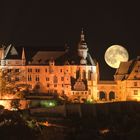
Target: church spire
23, 54
23, 57
82, 43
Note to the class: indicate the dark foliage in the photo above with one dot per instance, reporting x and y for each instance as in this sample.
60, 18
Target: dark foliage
14, 127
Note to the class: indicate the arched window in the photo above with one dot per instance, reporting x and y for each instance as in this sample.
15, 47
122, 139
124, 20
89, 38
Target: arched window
111, 95
77, 74
84, 74
102, 95
89, 75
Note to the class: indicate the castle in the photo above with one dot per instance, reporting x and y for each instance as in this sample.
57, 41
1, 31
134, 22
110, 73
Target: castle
73, 74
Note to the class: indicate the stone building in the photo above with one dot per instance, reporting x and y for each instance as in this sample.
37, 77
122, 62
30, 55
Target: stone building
73, 73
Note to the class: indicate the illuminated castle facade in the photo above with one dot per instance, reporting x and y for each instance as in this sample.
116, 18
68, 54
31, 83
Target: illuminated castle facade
74, 74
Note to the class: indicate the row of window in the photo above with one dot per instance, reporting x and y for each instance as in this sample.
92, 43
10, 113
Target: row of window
55, 85
55, 79
46, 70
13, 70
80, 93
36, 70
36, 78
10, 79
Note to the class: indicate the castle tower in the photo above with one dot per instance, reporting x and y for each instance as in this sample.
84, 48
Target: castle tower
82, 49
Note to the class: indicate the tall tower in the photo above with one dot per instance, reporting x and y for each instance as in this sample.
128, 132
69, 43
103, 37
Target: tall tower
82, 49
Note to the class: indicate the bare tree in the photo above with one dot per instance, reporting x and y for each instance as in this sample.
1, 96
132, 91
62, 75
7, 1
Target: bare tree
12, 82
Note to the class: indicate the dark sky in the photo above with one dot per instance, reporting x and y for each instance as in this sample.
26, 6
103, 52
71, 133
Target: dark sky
47, 23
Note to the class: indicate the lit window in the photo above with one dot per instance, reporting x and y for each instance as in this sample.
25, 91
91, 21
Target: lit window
135, 92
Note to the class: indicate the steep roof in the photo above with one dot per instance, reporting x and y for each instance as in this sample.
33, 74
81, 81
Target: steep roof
72, 58
125, 69
42, 57
11, 52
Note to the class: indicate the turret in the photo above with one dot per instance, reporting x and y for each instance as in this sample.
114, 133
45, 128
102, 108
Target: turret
23, 57
82, 48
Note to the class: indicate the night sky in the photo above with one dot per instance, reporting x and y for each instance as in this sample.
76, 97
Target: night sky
44, 23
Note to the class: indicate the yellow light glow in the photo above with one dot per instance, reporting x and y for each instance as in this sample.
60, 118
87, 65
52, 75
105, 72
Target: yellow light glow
6, 104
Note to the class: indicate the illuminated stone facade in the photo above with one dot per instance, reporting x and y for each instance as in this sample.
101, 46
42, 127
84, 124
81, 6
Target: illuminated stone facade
75, 75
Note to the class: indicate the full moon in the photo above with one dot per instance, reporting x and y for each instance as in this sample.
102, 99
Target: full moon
116, 54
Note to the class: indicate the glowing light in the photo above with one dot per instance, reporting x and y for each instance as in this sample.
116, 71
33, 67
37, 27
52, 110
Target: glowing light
104, 131
8, 96
44, 123
48, 103
6, 104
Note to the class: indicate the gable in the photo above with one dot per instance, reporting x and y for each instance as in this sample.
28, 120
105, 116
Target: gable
135, 73
13, 51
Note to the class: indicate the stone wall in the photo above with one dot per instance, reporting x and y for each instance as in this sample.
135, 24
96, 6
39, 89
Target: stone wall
88, 110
